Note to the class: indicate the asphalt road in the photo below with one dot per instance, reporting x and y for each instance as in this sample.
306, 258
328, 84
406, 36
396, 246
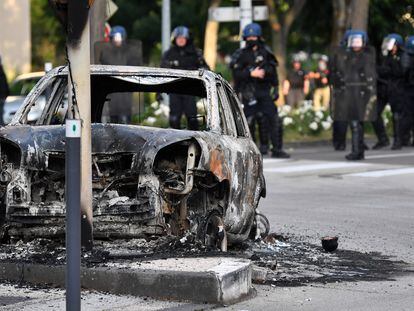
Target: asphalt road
367, 204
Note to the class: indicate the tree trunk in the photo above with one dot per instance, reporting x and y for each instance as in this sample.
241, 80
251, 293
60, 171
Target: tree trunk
280, 26
210, 39
97, 24
359, 15
339, 21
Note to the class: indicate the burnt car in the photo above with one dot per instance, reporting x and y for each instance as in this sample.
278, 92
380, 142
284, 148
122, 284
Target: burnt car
146, 180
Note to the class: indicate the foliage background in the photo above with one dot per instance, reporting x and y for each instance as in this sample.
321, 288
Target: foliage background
311, 31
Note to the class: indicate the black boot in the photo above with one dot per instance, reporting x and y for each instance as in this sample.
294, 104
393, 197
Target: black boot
339, 135
381, 144
357, 142
276, 136
380, 132
397, 143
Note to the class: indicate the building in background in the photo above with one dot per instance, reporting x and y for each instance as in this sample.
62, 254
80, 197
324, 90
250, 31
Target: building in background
15, 37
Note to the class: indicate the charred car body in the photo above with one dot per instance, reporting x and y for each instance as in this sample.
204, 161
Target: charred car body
146, 180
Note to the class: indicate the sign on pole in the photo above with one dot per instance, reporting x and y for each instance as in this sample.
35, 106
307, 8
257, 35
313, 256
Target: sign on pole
232, 14
111, 9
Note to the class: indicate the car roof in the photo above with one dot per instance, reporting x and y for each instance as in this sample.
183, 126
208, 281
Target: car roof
128, 70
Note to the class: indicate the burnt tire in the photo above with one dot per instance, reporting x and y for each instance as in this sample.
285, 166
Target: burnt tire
261, 222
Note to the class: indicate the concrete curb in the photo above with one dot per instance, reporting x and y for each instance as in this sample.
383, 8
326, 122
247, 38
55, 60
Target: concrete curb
226, 282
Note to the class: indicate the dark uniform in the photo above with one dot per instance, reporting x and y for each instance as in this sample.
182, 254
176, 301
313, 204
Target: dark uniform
339, 127
391, 77
354, 89
408, 108
4, 91
126, 53
188, 58
378, 125
255, 94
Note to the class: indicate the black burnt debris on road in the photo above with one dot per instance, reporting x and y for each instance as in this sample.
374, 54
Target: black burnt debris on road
286, 261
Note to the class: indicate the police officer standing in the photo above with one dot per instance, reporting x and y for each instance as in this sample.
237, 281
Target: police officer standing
183, 55
256, 82
391, 90
4, 92
408, 109
354, 88
119, 52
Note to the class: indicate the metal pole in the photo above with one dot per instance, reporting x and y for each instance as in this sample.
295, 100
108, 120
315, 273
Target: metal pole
73, 212
166, 25
165, 34
79, 57
246, 16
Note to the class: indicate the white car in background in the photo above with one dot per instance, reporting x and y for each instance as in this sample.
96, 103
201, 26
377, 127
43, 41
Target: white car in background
19, 89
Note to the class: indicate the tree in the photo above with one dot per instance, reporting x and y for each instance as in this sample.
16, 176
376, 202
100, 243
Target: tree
210, 38
48, 38
340, 18
359, 16
282, 14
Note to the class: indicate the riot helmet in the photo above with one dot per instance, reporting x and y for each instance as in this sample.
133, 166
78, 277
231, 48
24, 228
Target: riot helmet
252, 34
345, 37
252, 30
357, 39
183, 35
118, 35
409, 44
389, 42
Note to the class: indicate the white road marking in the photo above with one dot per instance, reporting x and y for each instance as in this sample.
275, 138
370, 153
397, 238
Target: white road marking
396, 155
314, 167
268, 160
382, 173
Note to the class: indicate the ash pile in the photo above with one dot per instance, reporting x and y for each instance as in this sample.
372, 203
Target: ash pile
278, 260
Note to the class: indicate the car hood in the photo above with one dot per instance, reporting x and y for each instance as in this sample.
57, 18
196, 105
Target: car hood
36, 142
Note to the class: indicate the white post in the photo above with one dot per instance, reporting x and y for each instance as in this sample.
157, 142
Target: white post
166, 33
166, 25
246, 16
79, 57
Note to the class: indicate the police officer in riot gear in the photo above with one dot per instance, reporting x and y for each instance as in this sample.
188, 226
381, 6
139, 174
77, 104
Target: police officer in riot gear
119, 52
391, 89
256, 82
408, 108
183, 55
354, 88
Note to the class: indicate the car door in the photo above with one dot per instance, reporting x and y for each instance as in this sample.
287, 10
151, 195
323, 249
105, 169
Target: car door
241, 156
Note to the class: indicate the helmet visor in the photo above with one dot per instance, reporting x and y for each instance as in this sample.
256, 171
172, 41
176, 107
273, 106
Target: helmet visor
355, 41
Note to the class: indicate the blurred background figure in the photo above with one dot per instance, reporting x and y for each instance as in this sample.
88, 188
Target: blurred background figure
183, 55
296, 85
321, 95
390, 90
407, 130
256, 79
118, 51
4, 91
